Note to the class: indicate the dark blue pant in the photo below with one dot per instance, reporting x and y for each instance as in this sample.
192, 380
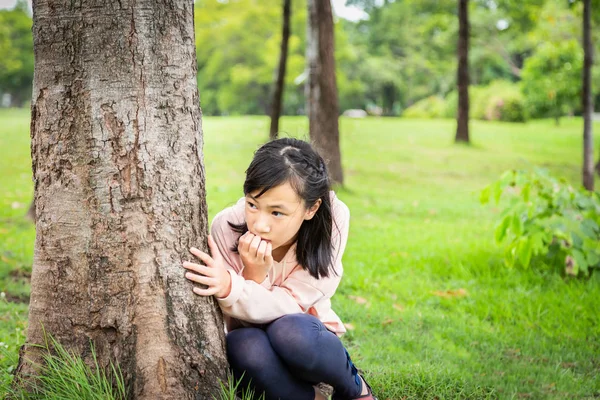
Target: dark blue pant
289, 356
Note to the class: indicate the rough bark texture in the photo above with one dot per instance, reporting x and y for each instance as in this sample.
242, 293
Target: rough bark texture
462, 118
119, 194
588, 105
279, 83
321, 89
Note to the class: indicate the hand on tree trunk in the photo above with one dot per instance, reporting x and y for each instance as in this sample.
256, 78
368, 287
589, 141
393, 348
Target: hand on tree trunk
214, 274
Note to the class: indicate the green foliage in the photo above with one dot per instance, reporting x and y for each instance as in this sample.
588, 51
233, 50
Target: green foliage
238, 48
16, 53
552, 79
503, 102
499, 101
547, 217
64, 375
430, 107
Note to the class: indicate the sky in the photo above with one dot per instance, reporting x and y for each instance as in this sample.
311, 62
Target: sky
351, 13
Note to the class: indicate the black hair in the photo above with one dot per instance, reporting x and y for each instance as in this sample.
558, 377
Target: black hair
295, 161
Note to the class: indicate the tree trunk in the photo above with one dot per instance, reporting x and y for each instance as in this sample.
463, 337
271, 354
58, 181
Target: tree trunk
588, 103
321, 89
462, 119
279, 83
119, 195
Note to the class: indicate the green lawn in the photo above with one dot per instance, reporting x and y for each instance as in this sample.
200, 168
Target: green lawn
417, 229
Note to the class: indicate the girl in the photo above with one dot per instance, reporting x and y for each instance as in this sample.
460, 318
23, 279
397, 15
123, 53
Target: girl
276, 262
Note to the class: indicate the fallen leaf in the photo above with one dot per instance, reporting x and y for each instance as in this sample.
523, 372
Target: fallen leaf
358, 299
450, 293
350, 327
387, 322
398, 307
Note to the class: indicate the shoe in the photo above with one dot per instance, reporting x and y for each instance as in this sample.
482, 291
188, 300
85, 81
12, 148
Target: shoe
369, 395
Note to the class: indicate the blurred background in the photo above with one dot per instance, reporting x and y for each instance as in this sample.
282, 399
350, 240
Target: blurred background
393, 58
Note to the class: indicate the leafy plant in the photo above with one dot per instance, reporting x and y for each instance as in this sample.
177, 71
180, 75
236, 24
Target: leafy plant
547, 218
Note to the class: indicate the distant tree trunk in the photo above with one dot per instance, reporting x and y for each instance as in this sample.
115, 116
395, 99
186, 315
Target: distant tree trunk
31, 211
462, 119
279, 83
119, 192
321, 89
588, 102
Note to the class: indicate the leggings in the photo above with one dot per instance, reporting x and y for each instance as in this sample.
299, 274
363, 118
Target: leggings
290, 355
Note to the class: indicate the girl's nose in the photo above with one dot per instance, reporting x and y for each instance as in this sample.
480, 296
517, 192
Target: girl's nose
261, 226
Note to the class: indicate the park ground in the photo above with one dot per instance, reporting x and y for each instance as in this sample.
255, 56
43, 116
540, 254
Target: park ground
431, 309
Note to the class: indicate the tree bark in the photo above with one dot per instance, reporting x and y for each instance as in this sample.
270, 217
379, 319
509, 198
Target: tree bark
280, 81
462, 119
321, 89
588, 101
119, 194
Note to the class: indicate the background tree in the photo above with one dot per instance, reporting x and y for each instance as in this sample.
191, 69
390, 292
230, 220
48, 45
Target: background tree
321, 89
119, 191
16, 54
462, 118
280, 80
588, 101
552, 79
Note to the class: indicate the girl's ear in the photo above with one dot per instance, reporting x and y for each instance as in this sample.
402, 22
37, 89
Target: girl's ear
313, 210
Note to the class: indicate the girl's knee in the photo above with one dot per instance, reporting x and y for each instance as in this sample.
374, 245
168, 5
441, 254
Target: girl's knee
295, 334
295, 323
246, 348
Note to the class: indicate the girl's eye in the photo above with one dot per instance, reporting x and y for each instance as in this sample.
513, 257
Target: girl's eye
251, 205
277, 214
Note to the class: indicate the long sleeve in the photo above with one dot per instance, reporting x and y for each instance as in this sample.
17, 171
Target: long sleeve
298, 292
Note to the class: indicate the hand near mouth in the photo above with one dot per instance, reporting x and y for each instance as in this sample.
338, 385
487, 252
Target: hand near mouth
256, 255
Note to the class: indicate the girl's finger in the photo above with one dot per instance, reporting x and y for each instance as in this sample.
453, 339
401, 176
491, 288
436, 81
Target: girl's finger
245, 241
200, 269
204, 280
262, 248
254, 245
269, 254
206, 259
214, 250
205, 292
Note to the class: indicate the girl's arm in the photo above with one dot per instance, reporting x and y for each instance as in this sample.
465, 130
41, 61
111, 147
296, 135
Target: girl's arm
261, 303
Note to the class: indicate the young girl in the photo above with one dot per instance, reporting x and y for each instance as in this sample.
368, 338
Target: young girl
276, 262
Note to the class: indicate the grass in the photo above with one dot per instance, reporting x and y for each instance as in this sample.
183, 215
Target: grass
432, 309
64, 375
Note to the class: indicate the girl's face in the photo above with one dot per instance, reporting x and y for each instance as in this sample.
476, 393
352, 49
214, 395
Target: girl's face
276, 216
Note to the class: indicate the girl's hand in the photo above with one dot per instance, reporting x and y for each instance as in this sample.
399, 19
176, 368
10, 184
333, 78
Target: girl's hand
256, 256
213, 274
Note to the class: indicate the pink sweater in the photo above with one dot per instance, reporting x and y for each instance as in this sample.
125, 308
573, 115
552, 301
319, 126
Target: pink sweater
287, 289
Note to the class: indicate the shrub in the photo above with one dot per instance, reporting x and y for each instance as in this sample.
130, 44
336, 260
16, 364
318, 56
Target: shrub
429, 107
547, 219
499, 101
552, 79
